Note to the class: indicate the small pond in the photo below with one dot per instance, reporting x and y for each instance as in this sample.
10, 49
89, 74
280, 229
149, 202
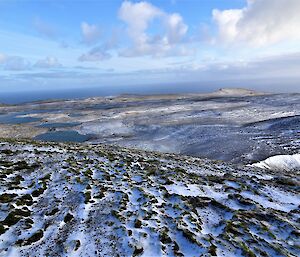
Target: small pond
14, 119
63, 136
59, 125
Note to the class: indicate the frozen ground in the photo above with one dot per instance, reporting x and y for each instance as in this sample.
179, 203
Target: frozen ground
97, 200
233, 125
281, 162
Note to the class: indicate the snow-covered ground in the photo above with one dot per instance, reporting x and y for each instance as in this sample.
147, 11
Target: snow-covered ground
281, 162
96, 200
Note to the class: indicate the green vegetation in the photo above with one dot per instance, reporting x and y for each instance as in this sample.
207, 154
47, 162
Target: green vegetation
38, 192
6, 198
137, 223
14, 216
2, 229
77, 245
246, 251
51, 213
68, 217
34, 238
24, 200
87, 197
164, 237
212, 250
138, 251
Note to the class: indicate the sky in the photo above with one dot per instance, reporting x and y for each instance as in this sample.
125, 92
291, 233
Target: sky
66, 44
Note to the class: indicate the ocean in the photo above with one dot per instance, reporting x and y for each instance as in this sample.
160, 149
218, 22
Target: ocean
30, 96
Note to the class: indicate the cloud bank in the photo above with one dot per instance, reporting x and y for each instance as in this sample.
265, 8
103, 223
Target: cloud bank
260, 23
48, 62
18, 63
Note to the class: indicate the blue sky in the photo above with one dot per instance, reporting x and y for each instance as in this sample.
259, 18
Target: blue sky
51, 45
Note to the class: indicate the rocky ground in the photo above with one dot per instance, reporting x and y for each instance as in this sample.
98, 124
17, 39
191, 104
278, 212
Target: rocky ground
20, 131
97, 200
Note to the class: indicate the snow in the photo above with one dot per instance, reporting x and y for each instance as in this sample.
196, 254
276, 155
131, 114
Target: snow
185, 190
211, 219
195, 207
263, 201
13, 252
280, 162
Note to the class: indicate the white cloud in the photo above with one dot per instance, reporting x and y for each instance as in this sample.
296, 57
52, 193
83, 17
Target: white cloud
176, 28
260, 23
101, 52
90, 33
13, 63
48, 62
16, 63
96, 54
138, 17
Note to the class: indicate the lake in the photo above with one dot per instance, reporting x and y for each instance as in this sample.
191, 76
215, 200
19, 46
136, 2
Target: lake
63, 136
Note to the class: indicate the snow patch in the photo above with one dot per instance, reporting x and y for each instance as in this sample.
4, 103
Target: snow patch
184, 190
280, 162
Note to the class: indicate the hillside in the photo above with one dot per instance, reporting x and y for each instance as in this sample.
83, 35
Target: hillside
234, 125
88, 200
